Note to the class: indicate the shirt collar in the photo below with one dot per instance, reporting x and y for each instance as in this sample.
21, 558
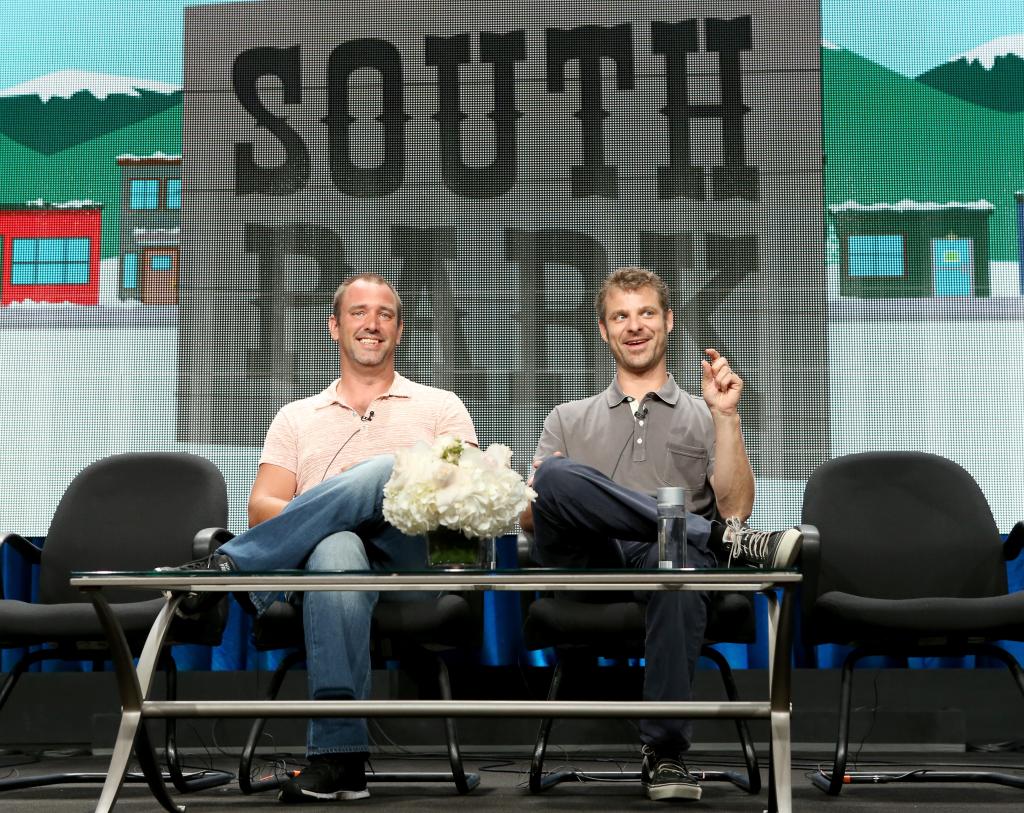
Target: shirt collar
668, 392
400, 387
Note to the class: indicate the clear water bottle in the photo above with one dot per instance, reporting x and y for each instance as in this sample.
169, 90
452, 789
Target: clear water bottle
671, 527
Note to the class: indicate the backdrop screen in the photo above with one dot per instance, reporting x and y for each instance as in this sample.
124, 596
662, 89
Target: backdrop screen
170, 244
495, 163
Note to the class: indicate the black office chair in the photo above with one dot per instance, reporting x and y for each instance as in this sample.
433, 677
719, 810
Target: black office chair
909, 563
125, 512
415, 633
582, 631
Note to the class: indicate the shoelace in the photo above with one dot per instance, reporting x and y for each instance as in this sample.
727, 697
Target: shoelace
672, 765
668, 764
747, 541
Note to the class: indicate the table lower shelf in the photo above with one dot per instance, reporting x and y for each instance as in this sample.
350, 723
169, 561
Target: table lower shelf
696, 709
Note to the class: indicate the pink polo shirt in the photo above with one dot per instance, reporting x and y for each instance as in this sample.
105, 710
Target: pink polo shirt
321, 436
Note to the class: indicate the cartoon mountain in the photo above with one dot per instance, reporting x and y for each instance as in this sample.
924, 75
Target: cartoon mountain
890, 137
991, 75
54, 112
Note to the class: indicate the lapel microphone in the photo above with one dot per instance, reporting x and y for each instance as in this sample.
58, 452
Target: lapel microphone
367, 418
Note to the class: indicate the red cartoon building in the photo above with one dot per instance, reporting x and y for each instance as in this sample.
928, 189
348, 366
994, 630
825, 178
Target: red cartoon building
50, 252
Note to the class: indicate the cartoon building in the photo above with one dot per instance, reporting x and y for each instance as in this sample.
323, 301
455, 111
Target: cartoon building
50, 252
150, 227
913, 249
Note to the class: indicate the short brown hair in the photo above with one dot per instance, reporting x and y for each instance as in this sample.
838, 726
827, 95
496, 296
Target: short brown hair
630, 278
367, 277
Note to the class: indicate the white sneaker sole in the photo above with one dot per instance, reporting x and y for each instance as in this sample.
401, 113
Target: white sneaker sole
338, 796
788, 548
657, 793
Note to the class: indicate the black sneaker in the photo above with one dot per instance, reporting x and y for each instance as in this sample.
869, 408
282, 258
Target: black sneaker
665, 777
328, 777
195, 604
771, 549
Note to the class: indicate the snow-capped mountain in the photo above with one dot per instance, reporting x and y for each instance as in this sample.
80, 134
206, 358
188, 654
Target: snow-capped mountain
986, 53
990, 75
51, 113
65, 84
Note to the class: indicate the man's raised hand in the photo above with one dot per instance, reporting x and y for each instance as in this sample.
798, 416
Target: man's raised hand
719, 384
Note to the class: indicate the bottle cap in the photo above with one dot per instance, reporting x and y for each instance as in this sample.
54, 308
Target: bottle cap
671, 495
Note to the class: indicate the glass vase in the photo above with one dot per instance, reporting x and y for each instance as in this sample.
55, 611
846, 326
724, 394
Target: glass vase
448, 549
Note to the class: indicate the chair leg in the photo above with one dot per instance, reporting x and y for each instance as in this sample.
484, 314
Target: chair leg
245, 780
184, 784
834, 785
464, 782
20, 668
1011, 662
751, 783
539, 781
201, 780
41, 780
927, 774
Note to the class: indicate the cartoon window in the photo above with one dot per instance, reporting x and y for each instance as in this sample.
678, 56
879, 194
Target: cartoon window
23, 262
876, 255
145, 193
50, 261
161, 262
174, 193
130, 273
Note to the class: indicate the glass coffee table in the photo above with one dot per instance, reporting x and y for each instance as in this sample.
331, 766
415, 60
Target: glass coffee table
135, 682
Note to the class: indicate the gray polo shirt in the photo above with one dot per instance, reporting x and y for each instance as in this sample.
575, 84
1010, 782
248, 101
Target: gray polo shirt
671, 444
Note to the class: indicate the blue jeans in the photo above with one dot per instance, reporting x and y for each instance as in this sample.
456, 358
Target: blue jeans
582, 519
336, 525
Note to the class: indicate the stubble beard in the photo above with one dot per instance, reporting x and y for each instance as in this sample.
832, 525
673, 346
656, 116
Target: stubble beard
654, 353
367, 357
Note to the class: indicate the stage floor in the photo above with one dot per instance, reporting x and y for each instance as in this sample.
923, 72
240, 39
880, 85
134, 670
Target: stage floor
503, 785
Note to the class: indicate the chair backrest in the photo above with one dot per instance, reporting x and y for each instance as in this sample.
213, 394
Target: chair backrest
130, 512
896, 525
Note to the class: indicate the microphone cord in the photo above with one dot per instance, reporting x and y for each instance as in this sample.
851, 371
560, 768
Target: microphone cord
357, 430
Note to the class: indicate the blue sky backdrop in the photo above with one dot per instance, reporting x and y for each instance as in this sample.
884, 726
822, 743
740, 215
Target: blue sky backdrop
911, 36
142, 38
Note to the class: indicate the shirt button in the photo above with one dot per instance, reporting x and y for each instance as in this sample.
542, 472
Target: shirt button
641, 423
639, 440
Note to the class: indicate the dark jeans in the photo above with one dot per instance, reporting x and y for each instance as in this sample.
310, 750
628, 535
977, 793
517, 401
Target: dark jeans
582, 519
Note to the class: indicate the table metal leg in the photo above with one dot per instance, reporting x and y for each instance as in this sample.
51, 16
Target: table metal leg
133, 686
780, 791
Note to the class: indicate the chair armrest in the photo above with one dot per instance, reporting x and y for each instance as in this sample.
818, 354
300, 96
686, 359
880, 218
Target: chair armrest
28, 551
23, 546
208, 540
1014, 542
809, 565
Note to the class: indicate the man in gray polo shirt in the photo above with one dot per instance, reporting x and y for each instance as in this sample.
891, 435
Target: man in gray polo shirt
599, 463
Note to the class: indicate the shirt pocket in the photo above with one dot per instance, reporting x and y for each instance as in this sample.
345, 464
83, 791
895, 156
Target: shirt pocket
685, 466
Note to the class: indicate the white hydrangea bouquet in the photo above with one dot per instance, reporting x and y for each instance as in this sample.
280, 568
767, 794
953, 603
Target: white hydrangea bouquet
454, 485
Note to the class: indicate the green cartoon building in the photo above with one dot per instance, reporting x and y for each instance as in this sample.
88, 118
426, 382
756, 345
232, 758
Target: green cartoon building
913, 249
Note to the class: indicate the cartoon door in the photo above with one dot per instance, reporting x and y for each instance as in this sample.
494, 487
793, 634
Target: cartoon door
953, 266
158, 280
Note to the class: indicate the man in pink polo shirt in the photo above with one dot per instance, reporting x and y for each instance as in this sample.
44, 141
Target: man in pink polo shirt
316, 504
